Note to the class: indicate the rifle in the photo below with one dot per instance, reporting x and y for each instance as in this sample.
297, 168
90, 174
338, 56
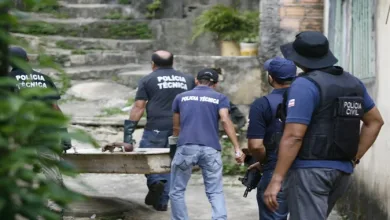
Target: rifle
252, 177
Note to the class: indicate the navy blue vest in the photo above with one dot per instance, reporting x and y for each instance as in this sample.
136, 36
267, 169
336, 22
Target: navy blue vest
274, 130
334, 130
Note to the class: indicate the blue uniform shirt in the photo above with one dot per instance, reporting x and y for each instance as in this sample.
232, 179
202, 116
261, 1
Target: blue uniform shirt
260, 115
303, 98
199, 115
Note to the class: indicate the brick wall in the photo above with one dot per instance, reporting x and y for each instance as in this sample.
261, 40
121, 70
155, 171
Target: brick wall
301, 15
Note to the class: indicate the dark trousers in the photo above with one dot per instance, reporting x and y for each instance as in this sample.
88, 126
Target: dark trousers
157, 139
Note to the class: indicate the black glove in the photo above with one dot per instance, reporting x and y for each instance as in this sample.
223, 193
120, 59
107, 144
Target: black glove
66, 142
172, 141
129, 128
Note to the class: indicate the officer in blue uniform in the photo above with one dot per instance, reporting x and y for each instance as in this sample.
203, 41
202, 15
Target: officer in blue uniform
195, 121
265, 130
322, 140
156, 92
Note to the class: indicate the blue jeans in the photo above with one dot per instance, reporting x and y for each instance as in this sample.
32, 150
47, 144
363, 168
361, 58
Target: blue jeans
265, 214
210, 161
157, 139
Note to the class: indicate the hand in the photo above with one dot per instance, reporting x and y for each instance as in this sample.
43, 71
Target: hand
110, 147
255, 166
270, 195
239, 156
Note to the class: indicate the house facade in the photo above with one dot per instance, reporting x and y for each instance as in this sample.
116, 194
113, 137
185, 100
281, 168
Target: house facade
359, 35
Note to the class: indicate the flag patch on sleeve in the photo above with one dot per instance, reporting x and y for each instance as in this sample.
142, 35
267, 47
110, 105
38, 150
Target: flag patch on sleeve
291, 103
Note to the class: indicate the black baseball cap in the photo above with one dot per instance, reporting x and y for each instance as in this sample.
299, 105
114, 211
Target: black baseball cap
208, 74
18, 52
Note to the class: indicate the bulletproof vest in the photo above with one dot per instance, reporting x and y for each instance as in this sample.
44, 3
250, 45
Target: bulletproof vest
334, 130
274, 129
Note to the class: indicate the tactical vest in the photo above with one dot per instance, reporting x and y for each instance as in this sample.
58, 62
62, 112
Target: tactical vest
334, 130
274, 129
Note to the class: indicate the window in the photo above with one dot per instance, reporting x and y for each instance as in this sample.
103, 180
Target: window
351, 33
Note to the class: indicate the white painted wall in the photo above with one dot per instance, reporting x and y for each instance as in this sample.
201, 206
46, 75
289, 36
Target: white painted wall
374, 170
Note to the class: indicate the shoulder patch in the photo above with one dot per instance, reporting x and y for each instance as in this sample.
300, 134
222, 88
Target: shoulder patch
291, 103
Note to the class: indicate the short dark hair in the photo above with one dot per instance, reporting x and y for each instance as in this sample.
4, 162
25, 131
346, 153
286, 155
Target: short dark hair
287, 81
205, 82
162, 62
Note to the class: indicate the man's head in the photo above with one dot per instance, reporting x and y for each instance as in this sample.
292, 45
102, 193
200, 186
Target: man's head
281, 72
162, 58
17, 52
207, 77
309, 51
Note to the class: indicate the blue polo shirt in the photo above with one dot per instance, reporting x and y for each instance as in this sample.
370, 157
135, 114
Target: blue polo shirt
199, 115
307, 98
260, 117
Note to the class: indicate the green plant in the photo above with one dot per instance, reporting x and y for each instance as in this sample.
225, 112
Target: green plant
153, 8
29, 141
250, 31
47, 6
227, 23
223, 21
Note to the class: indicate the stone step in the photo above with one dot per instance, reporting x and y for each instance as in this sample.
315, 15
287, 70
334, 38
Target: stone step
90, 1
85, 27
74, 58
103, 11
142, 48
110, 72
131, 78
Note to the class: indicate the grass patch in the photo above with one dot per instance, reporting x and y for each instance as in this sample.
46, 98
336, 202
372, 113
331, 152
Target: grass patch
131, 101
125, 30
111, 111
78, 52
230, 167
64, 45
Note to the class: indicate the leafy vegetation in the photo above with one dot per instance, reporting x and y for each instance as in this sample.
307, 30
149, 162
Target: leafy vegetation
230, 167
152, 8
64, 45
227, 23
30, 139
79, 52
123, 30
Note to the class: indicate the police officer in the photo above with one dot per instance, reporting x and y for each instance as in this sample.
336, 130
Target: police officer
265, 129
196, 115
156, 92
322, 139
33, 80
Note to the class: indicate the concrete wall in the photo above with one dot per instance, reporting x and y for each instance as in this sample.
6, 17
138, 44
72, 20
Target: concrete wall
370, 188
281, 20
174, 33
241, 80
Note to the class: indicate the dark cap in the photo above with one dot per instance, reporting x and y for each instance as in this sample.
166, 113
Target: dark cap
280, 68
18, 52
310, 49
208, 74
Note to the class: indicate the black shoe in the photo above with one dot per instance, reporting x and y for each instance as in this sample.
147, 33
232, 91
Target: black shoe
160, 207
154, 194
